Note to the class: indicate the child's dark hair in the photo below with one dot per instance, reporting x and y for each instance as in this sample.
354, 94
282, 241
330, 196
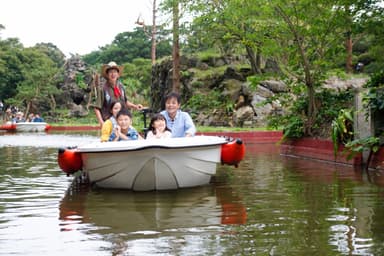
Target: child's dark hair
154, 118
113, 104
173, 95
124, 112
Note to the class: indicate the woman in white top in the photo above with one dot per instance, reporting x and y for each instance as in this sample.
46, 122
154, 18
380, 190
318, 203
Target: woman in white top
158, 128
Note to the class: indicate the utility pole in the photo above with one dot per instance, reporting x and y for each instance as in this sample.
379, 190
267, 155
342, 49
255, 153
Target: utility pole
141, 22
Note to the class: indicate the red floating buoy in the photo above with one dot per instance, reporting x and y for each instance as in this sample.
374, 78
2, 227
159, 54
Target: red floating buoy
232, 152
47, 127
69, 160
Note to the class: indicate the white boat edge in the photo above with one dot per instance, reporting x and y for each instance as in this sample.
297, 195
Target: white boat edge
145, 165
132, 145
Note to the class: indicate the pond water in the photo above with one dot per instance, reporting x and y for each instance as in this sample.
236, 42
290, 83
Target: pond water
270, 205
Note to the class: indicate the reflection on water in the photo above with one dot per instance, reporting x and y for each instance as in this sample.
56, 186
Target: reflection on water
44, 139
152, 212
270, 205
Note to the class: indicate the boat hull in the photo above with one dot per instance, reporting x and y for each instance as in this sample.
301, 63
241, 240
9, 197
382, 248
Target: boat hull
26, 127
31, 127
167, 164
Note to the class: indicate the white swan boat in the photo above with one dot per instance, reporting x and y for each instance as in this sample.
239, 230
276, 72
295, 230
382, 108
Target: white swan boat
144, 165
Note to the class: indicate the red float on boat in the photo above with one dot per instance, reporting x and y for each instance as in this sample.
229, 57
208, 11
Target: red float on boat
8, 127
232, 152
69, 160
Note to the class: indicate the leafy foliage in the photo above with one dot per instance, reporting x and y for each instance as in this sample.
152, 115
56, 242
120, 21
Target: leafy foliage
209, 101
374, 98
330, 103
359, 145
342, 129
80, 81
128, 46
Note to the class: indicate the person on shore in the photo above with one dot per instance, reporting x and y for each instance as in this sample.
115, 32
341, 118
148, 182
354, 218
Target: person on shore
113, 90
111, 123
179, 122
158, 128
124, 129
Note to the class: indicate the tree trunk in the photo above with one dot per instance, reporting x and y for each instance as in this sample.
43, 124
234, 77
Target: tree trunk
176, 49
258, 61
349, 46
27, 109
254, 60
153, 35
312, 110
308, 78
53, 102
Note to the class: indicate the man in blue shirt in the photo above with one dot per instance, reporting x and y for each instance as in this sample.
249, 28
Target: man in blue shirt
178, 121
37, 118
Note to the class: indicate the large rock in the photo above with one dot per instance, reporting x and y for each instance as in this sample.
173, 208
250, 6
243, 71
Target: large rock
76, 86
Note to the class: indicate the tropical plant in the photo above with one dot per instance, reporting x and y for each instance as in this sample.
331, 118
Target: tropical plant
342, 129
374, 98
357, 146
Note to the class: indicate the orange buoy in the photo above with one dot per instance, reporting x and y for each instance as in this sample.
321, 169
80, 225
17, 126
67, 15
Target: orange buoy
8, 127
69, 160
232, 152
47, 127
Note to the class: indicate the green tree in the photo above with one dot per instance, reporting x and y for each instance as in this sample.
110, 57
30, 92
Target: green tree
10, 67
227, 24
309, 44
353, 17
128, 46
51, 50
38, 84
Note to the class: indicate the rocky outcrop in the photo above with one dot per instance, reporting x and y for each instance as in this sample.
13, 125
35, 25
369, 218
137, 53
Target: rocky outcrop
75, 87
246, 107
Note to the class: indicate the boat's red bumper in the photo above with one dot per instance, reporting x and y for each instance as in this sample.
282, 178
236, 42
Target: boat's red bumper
8, 127
69, 160
232, 152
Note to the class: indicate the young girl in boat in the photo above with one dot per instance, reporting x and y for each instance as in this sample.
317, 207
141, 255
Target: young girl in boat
110, 123
124, 129
158, 128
